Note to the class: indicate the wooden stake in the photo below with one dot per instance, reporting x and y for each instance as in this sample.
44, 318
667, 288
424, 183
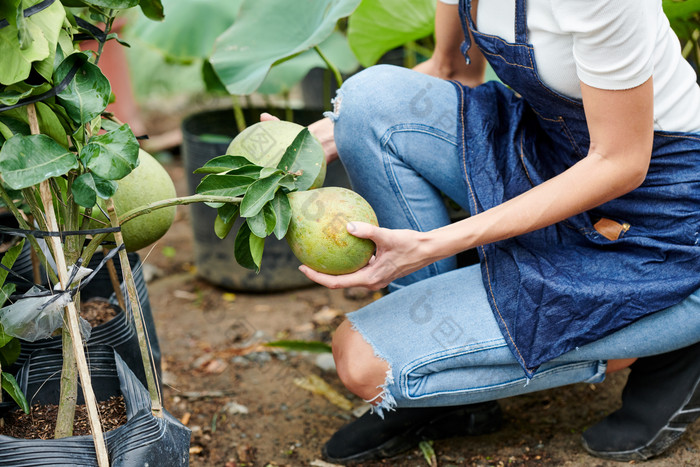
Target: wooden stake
72, 313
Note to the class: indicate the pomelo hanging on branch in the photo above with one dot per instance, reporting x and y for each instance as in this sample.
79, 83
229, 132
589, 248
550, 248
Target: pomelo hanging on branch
147, 183
264, 143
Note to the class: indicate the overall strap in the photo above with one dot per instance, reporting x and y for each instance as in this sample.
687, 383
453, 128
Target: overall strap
465, 7
521, 21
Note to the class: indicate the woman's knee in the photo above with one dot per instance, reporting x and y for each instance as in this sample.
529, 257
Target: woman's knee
358, 368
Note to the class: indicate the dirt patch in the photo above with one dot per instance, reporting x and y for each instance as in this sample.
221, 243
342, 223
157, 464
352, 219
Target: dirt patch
40, 422
97, 311
244, 408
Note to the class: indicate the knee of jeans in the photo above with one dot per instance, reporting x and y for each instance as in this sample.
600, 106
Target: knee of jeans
363, 103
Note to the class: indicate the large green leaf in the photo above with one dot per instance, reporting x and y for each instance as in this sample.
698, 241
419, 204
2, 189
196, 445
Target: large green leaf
49, 124
189, 29
9, 352
28, 160
303, 156
9, 384
42, 28
266, 32
89, 91
241, 247
284, 76
224, 163
378, 26
112, 155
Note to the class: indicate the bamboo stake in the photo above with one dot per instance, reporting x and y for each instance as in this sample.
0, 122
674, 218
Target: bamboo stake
144, 345
71, 313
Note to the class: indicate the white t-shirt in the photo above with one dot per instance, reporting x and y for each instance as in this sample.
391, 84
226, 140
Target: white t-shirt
607, 44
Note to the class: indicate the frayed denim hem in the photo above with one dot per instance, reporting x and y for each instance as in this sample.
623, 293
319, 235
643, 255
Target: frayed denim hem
388, 402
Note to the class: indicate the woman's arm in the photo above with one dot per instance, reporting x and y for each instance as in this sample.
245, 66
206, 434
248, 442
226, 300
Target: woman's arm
621, 132
447, 61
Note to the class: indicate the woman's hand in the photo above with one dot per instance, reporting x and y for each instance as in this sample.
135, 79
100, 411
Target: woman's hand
399, 253
322, 130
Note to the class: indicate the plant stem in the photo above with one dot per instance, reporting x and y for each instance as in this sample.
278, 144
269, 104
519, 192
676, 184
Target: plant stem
238, 113
69, 389
144, 344
331, 66
129, 215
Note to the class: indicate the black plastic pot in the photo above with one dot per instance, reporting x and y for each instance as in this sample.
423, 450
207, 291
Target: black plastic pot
143, 440
119, 332
207, 135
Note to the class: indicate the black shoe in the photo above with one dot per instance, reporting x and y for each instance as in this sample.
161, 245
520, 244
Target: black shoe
661, 398
371, 437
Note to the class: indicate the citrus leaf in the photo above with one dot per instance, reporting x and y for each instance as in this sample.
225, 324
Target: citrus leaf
115, 4
9, 258
259, 193
222, 227
29, 160
228, 212
152, 9
224, 185
241, 247
223, 164
303, 156
283, 214
263, 223
9, 384
105, 189
112, 155
88, 93
84, 190
9, 353
257, 245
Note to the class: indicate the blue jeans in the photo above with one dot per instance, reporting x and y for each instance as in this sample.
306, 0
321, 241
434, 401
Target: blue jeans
436, 329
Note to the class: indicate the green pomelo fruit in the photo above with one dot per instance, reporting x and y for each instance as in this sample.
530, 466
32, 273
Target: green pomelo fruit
317, 232
264, 144
147, 183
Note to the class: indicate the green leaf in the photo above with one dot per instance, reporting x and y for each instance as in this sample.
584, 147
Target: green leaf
303, 155
426, 448
244, 53
223, 164
12, 96
12, 126
89, 91
224, 185
259, 193
222, 227
113, 155
8, 260
6, 338
284, 76
49, 123
257, 245
189, 29
378, 26
241, 247
43, 27
105, 189
152, 9
9, 353
9, 384
113, 4
84, 190
228, 212
263, 223
301, 346
29, 160
283, 214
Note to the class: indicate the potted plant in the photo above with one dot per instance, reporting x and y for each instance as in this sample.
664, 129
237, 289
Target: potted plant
272, 67
60, 153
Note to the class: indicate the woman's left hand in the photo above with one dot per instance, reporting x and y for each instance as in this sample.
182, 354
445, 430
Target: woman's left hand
398, 253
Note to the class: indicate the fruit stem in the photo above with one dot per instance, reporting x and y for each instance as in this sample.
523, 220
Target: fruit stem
129, 215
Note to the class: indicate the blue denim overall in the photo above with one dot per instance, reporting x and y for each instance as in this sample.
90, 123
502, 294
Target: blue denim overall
577, 281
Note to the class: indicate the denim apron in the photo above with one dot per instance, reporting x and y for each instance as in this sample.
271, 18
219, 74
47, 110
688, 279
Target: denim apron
581, 279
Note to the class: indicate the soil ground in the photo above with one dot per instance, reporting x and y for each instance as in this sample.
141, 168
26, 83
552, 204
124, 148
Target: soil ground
242, 404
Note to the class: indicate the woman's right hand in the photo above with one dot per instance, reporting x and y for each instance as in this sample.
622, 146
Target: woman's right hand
322, 130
